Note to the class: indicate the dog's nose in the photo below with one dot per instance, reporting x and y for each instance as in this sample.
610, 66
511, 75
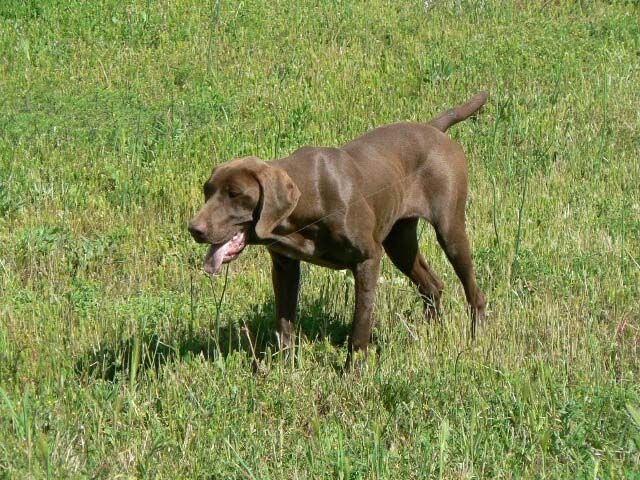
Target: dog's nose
197, 231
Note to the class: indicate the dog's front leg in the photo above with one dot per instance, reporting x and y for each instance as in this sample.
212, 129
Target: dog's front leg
366, 280
285, 274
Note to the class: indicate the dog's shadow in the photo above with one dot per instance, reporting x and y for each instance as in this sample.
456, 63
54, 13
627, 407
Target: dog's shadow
254, 336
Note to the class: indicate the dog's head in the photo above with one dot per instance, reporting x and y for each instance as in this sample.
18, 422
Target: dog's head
243, 197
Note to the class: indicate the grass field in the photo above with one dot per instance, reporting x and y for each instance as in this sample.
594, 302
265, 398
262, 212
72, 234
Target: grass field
119, 358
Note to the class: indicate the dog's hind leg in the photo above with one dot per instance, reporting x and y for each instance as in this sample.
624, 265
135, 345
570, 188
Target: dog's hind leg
453, 240
401, 246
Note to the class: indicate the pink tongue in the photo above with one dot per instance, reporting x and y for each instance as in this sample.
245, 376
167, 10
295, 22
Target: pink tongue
214, 257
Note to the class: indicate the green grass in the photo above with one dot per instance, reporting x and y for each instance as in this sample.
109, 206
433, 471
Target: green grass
120, 359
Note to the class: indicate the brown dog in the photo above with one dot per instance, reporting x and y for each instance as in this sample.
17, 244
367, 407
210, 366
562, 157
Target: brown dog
341, 207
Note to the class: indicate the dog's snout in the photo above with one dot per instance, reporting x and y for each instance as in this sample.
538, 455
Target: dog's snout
197, 231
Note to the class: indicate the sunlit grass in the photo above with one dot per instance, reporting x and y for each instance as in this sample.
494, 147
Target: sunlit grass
119, 357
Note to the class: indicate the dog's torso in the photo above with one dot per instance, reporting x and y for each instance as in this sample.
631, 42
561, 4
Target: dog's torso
352, 196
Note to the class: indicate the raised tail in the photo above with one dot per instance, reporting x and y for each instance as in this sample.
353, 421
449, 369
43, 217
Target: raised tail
459, 113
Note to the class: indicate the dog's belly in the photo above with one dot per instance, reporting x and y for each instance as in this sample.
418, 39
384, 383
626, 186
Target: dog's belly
336, 257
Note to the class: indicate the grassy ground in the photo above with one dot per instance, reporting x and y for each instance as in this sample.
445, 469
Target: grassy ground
119, 358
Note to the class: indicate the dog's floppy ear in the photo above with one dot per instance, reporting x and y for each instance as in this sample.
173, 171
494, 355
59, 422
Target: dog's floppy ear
279, 198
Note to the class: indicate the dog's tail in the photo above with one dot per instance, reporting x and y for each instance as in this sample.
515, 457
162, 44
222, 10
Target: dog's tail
457, 114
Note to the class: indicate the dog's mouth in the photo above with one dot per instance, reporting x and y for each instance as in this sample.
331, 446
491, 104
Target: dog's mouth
225, 252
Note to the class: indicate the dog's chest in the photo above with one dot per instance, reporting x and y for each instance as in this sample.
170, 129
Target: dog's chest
317, 244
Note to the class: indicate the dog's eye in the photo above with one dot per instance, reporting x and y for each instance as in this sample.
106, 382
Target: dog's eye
234, 193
